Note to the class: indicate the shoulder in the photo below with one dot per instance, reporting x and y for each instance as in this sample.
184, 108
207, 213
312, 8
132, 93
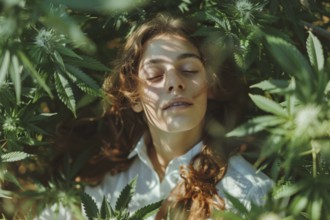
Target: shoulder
244, 182
112, 185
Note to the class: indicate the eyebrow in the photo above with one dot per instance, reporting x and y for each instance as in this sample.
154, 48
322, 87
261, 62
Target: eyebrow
188, 55
180, 57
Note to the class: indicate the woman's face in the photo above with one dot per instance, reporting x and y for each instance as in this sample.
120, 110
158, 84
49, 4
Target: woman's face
172, 84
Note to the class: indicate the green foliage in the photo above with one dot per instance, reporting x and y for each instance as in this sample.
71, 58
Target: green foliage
298, 128
121, 210
14, 156
52, 56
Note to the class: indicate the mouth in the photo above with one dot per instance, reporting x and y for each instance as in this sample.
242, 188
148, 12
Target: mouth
181, 103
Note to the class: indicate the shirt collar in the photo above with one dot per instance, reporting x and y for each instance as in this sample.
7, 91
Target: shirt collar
141, 150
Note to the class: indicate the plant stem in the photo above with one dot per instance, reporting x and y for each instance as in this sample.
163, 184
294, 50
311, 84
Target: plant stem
314, 156
4, 144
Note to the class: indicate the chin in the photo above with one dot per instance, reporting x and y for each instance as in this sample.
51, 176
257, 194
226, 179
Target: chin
180, 127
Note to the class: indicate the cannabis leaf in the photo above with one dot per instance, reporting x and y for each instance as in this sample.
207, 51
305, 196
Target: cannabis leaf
83, 81
126, 195
89, 206
121, 211
106, 210
268, 105
315, 52
146, 211
14, 156
65, 92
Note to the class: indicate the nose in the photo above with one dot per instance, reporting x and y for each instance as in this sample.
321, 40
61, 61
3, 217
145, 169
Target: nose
174, 82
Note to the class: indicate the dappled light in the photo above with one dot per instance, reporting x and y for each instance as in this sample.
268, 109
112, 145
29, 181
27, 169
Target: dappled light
164, 109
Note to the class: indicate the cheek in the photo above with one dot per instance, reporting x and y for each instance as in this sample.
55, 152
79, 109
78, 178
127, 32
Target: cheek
149, 95
199, 88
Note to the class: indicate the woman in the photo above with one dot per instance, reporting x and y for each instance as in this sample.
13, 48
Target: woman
163, 80
164, 102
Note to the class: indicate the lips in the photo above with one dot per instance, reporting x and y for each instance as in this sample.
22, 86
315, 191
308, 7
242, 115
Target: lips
177, 103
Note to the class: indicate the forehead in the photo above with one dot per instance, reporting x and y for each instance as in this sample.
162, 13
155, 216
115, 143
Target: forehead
168, 48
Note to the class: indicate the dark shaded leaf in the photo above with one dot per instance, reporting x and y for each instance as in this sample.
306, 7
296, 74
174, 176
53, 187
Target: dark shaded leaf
26, 62
88, 63
146, 211
126, 195
83, 81
89, 206
106, 210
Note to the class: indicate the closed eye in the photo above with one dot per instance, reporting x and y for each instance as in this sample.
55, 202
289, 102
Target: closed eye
155, 78
190, 71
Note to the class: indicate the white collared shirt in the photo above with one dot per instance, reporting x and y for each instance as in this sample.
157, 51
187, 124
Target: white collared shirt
241, 181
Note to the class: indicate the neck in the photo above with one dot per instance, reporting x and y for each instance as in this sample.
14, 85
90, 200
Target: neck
165, 146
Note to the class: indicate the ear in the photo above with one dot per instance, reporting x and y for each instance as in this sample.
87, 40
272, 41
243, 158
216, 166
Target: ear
214, 87
137, 107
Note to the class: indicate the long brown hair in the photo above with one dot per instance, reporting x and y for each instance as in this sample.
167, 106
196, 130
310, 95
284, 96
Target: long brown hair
197, 190
196, 195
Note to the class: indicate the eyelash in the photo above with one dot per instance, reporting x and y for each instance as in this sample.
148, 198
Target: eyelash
159, 77
190, 71
155, 78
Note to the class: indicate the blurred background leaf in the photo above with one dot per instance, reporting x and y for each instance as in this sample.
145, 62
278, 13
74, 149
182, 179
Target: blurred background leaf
55, 54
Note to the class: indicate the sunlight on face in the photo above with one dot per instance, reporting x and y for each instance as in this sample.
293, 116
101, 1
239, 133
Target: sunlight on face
173, 84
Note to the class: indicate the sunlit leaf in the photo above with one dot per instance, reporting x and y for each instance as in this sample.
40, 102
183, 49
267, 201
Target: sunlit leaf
65, 92
4, 67
5, 194
315, 51
14, 156
268, 105
289, 190
316, 208
300, 202
255, 125
272, 85
15, 75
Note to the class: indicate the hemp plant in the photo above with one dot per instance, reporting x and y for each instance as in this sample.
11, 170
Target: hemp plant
120, 212
297, 124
